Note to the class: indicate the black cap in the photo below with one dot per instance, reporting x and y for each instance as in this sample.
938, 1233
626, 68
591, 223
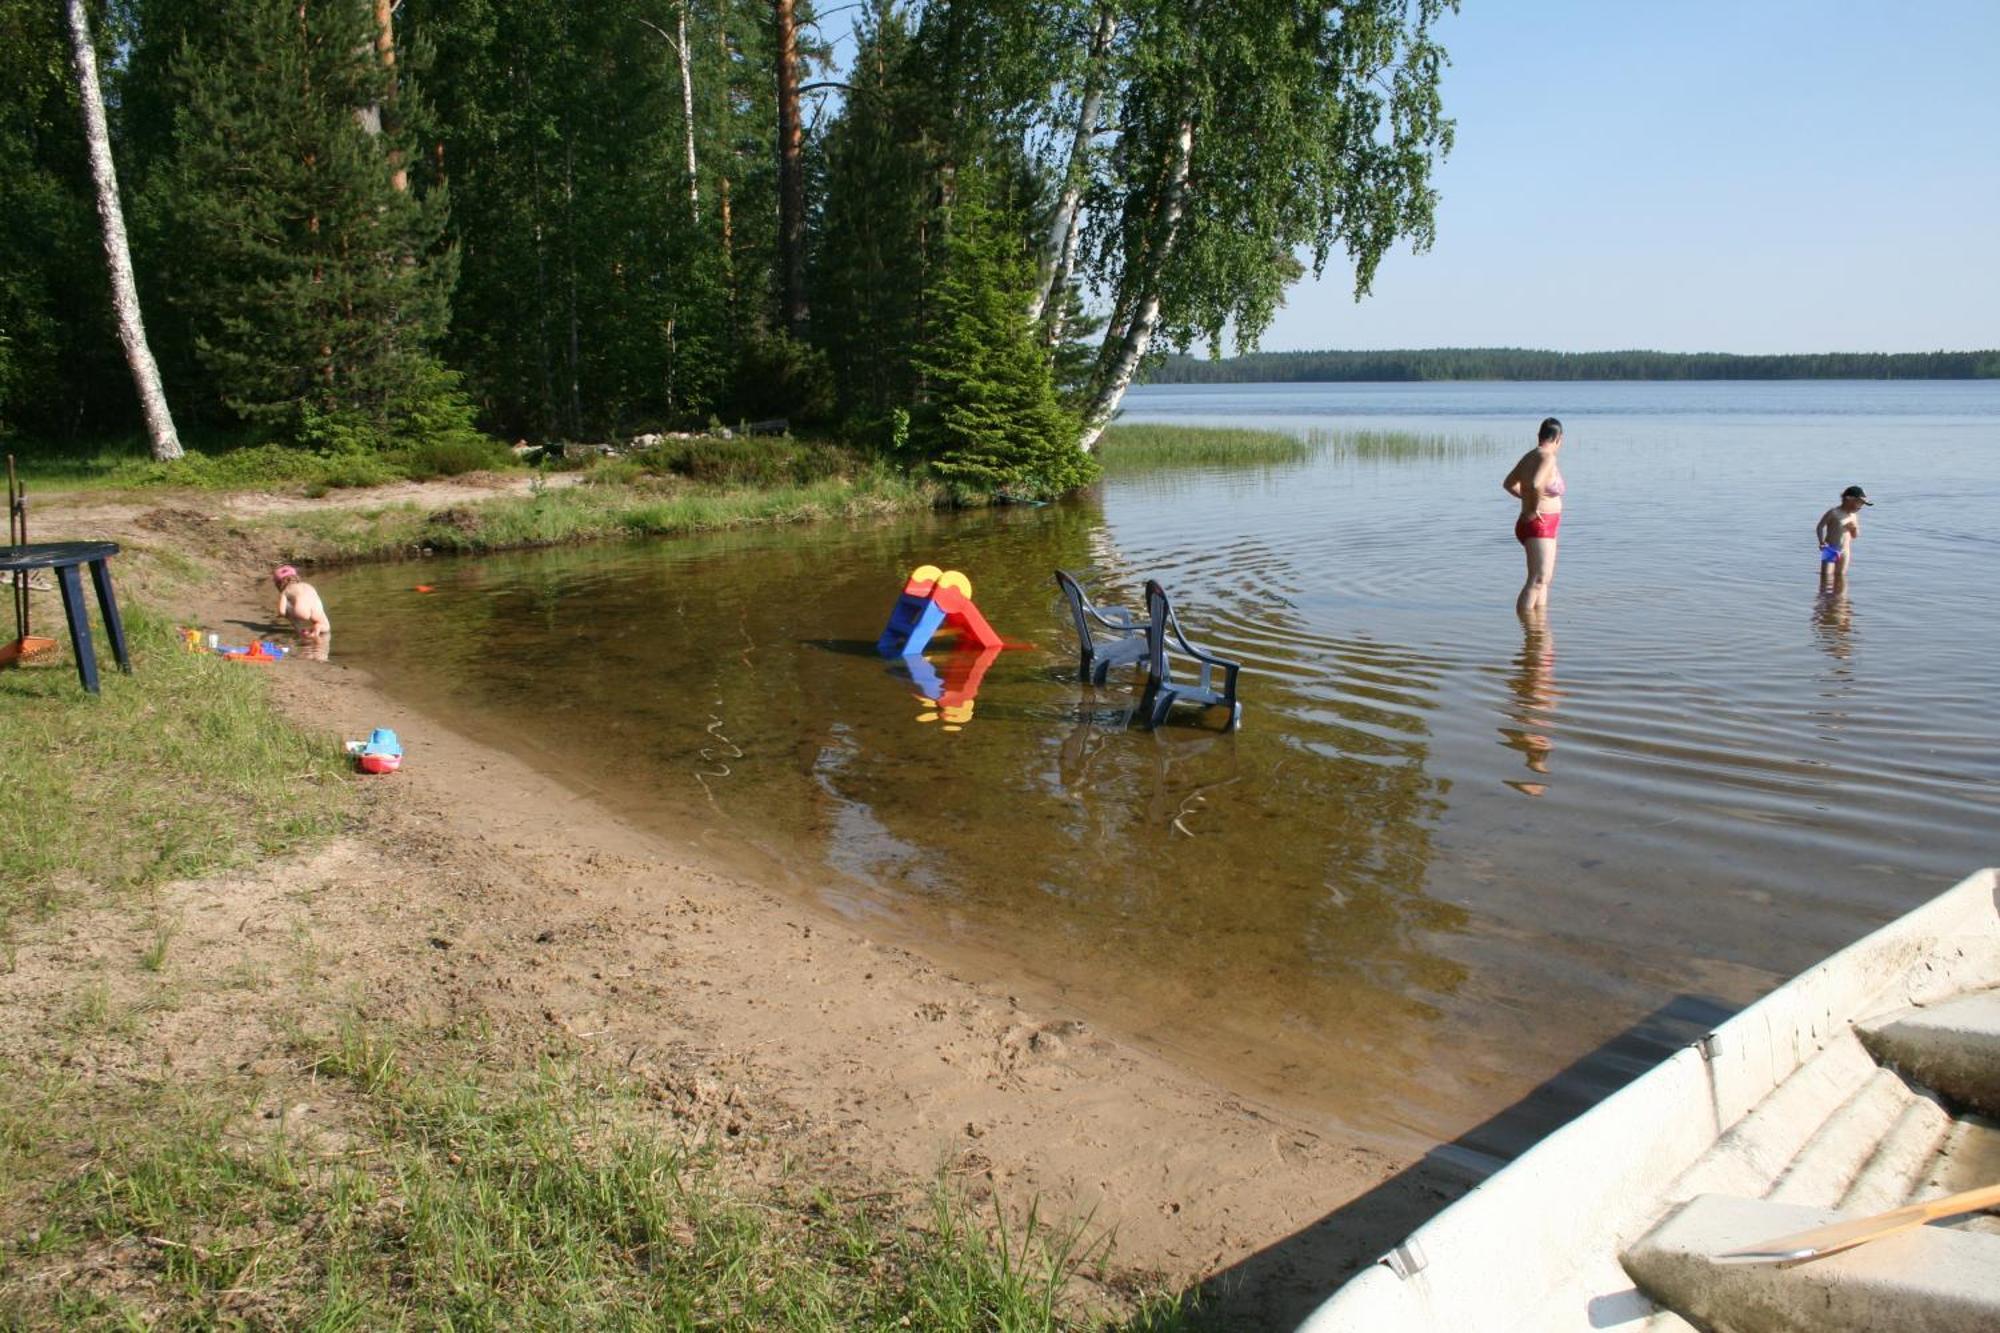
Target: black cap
1856, 493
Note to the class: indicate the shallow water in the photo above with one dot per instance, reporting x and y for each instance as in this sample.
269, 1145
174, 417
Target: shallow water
1448, 858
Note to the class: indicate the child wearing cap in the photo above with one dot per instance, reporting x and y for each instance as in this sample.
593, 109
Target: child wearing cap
1837, 530
298, 602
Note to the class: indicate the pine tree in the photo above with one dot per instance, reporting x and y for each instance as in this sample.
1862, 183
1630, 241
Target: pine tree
992, 423
870, 263
597, 286
321, 286
61, 373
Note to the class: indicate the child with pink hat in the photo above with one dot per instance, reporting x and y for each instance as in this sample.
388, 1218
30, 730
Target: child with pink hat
298, 602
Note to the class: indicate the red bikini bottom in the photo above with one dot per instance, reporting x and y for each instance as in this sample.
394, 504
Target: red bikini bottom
1541, 525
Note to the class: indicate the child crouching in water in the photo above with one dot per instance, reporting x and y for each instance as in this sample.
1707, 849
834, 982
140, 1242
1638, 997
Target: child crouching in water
298, 602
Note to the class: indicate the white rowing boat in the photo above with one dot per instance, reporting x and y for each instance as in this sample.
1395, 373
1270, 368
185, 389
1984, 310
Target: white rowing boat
1868, 1082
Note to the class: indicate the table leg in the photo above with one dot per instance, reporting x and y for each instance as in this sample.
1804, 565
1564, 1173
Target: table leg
107, 605
80, 645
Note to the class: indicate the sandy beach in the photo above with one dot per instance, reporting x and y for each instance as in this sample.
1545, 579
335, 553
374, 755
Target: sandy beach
478, 891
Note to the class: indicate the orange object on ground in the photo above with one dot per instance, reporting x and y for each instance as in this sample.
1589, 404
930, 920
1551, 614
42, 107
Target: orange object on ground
25, 648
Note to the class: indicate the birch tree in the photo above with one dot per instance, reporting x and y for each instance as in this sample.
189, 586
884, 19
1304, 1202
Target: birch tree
1059, 258
1250, 132
160, 433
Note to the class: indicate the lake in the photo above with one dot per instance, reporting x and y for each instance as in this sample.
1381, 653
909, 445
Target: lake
1455, 876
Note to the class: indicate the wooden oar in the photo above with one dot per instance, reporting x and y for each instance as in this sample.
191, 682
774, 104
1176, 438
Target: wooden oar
1834, 1237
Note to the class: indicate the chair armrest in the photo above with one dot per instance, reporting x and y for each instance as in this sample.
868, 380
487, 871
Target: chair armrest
1209, 661
1115, 617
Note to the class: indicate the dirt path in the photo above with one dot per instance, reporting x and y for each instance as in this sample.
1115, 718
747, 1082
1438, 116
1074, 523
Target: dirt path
493, 890
75, 512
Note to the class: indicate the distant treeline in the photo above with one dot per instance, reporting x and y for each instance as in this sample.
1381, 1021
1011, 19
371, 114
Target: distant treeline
1520, 363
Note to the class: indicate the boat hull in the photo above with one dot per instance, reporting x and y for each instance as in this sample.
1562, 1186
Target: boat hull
1758, 1109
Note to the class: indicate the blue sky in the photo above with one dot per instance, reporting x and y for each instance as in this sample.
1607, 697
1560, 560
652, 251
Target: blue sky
1701, 175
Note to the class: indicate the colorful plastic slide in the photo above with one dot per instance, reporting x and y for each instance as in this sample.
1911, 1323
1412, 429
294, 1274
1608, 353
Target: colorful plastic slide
934, 599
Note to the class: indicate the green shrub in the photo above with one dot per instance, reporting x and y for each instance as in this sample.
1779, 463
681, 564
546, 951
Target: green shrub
760, 461
262, 466
781, 377
450, 456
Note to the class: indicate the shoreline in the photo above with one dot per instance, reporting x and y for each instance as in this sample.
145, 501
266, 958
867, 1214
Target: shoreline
860, 1058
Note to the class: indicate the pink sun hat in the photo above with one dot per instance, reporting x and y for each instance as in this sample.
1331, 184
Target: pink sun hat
283, 572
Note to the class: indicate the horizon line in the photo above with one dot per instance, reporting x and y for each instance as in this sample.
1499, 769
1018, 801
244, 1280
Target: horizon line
1550, 351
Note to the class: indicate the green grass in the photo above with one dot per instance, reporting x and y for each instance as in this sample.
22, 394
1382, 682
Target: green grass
180, 769
227, 463
624, 503
460, 1195
1146, 447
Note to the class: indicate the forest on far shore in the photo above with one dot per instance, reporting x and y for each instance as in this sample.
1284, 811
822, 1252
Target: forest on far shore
364, 225
1522, 363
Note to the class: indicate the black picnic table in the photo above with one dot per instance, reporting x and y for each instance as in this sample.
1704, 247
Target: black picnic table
63, 558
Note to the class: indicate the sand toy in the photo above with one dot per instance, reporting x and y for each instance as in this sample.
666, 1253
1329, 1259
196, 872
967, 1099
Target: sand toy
380, 753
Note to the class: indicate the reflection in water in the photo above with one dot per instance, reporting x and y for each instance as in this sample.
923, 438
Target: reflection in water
1534, 700
1101, 718
1833, 626
1833, 630
950, 693
1173, 803
314, 648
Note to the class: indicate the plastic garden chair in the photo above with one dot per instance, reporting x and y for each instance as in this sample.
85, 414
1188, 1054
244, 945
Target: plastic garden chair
1214, 683
1107, 636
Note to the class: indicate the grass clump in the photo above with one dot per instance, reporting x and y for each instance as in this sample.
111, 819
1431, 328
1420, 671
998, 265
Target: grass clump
740, 461
621, 506
1148, 446
179, 769
235, 465
1399, 445
1136, 448
457, 1195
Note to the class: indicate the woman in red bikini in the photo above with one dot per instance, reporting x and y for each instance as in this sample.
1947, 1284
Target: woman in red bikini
1537, 483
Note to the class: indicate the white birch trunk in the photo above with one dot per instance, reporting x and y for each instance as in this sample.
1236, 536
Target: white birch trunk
687, 112
166, 443
1138, 336
1063, 228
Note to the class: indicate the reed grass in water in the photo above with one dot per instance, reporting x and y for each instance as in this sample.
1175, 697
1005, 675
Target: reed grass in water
1398, 445
1139, 447
1142, 447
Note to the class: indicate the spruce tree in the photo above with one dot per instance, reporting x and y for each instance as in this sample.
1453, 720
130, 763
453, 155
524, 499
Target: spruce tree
321, 286
992, 422
60, 371
870, 264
